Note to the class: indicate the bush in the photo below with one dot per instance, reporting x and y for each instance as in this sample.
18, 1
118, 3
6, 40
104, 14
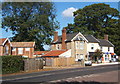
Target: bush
12, 64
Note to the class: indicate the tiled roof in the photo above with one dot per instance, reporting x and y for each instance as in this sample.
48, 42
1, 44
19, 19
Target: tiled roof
91, 38
40, 52
54, 53
68, 36
23, 44
105, 43
2, 40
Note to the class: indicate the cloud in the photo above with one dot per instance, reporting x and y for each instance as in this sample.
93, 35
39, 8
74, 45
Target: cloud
69, 12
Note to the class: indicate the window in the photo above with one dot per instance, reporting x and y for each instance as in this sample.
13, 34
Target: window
13, 49
81, 56
58, 47
80, 38
81, 45
76, 45
20, 50
6, 49
27, 49
77, 56
100, 48
92, 46
108, 48
106, 58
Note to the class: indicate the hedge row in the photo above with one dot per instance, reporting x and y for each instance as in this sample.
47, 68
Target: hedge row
12, 64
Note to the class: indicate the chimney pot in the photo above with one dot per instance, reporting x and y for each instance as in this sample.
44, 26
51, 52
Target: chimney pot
105, 37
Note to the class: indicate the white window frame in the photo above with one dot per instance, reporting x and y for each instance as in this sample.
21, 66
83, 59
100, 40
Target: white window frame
81, 56
20, 50
27, 49
13, 49
81, 45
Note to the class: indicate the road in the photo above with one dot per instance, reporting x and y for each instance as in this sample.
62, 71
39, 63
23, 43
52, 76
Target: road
48, 76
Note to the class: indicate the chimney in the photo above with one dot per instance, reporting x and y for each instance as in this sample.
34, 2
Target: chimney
63, 38
105, 37
55, 36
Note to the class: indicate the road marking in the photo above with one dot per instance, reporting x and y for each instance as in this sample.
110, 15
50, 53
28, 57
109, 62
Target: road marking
56, 73
67, 79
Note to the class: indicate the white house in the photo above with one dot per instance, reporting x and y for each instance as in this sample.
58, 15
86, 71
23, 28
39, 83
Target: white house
82, 46
107, 48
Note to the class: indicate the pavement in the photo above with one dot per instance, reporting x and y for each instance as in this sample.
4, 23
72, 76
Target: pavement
76, 66
105, 63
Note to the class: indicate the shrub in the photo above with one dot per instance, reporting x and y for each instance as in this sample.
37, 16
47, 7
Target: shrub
12, 64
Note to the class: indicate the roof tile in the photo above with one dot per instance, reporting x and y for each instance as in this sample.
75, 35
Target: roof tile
40, 52
54, 53
105, 43
23, 44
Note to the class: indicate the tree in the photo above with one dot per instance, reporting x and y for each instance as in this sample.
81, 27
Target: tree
30, 21
97, 55
97, 19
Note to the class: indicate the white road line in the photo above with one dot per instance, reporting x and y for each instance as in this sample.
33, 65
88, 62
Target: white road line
56, 73
67, 79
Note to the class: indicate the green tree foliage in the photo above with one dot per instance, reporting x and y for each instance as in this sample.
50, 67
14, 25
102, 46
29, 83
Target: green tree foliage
98, 19
30, 21
97, 55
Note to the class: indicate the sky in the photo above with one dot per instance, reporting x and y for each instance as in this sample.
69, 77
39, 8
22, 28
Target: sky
64, 12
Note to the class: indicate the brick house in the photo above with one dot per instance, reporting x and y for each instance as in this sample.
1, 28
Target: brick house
82, 46
5, 46
23, 48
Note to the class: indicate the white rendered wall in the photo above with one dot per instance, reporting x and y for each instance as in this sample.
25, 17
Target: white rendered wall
96, 46
66, 54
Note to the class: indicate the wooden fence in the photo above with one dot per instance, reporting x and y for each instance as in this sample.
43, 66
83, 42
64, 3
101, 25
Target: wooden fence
57, 62
33, 64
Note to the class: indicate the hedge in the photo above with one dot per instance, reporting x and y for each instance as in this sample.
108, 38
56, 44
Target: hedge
12, 64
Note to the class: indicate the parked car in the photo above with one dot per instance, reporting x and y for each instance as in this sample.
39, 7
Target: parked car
88, 63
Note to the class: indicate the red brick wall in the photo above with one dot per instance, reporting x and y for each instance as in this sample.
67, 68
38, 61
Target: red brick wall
9, 51
1, 50
25, 53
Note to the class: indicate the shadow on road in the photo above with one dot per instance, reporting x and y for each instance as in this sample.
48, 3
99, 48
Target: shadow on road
83, 82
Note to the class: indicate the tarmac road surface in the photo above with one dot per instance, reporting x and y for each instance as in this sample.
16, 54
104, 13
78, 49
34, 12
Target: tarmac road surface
48, 76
